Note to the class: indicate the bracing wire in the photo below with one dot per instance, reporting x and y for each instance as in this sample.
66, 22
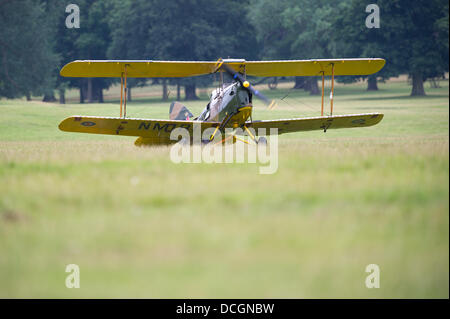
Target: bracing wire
297, 100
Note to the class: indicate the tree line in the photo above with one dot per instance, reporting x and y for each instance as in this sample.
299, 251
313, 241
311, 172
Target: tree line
35, 41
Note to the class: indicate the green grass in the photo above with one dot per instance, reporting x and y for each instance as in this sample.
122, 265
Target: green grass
139, 225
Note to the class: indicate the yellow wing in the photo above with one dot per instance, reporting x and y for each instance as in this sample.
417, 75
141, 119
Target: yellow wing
161, 129
150, 68
314, 67
318, 123
136, 68
156, 129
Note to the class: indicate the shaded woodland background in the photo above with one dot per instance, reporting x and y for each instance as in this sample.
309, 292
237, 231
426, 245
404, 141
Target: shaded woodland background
35, 42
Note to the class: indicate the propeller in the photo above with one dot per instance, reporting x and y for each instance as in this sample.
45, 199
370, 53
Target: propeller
246, 85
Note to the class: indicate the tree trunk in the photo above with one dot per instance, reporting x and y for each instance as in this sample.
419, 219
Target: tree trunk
417, 85
62, 96
164, 87
28, 96
372, 83
90, 97
100, 95
82, 92
81, 95
313, 88
49, 97
178, 91
129, 94
299, 83
434, 83
189, 92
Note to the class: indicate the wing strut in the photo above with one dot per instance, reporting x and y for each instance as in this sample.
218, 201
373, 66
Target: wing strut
323, 91
332, 88
123, 93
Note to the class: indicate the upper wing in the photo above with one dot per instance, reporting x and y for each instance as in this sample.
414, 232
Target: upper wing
314, 67
150, 68
136, 68
159, 129
318, 123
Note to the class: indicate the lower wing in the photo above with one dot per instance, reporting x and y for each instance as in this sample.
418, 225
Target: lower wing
317, 123
159, 129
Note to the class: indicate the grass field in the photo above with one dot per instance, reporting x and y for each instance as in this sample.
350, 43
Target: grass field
139, 225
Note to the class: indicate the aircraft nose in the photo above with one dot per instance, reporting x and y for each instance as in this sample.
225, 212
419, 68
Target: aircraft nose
244, 112
247, 106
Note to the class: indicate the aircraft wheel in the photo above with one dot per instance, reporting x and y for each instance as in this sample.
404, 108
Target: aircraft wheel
204, 142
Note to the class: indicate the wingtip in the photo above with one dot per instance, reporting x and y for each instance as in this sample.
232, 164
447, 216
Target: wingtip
381, 65
70, 68
61, 125
378, 118
64, 70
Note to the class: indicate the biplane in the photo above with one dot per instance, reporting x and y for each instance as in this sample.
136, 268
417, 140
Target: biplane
230, 105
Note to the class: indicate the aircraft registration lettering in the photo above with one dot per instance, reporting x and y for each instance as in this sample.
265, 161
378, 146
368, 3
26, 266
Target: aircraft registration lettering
144, 126
165, 127
168, 127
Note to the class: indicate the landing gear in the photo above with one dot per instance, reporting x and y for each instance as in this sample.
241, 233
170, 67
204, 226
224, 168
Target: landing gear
259, 141
234, 136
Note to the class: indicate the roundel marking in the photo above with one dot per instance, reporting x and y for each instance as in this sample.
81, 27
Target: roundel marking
87, 123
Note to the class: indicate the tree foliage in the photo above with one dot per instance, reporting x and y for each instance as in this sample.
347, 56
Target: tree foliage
298, 29
35, 42
27, 56
413, 37
181, 30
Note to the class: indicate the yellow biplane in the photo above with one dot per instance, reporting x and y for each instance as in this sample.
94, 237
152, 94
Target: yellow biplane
230, 105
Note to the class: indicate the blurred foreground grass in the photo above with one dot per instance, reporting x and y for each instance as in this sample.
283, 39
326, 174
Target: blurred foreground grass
139, 225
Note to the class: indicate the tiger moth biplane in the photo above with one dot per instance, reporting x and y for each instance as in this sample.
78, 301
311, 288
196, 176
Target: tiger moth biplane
230, 105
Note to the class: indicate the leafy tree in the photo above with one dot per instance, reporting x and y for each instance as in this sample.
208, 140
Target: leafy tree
297, 29
129, 24
35, 42
182, 30
65, 47
413, 37
27, 60
351, 38
90, 41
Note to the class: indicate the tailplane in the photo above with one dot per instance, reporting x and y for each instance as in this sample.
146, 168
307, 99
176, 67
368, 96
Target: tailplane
179, 112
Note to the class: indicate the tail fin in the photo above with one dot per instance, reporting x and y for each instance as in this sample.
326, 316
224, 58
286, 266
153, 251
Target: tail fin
179, 112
